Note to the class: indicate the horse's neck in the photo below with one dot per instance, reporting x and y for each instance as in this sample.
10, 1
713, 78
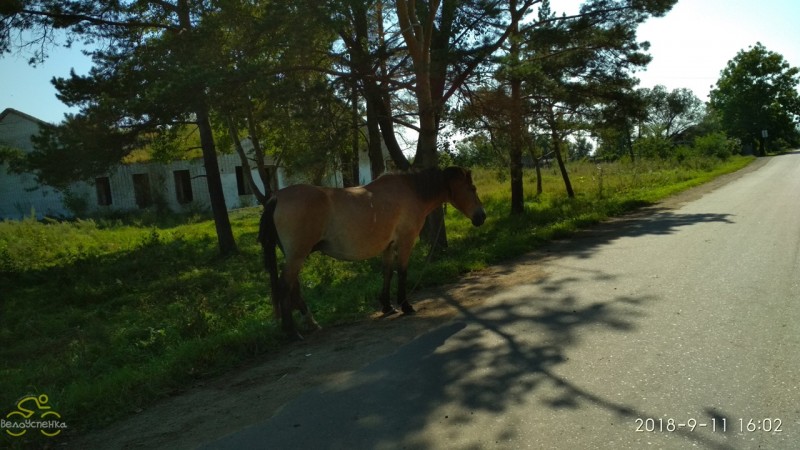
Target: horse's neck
427, 202
435, 201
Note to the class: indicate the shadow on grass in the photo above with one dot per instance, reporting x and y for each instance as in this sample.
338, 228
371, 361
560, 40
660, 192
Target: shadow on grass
106, 334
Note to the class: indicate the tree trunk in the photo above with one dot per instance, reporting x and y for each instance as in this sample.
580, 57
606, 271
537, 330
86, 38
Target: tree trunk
258, 151
537, 163
370, 72
374, 146
417, 30
427, 155
383, 115
517, 189
418, 38
515, 153
246, 171
539, 189
227, 244
434, 233
561, 166
629, 143
356, 139
349, 159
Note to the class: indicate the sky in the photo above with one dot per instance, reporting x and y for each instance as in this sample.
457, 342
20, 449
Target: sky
690, 46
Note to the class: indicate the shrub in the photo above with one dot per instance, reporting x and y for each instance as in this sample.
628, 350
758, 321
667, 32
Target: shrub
683, 153
653, 147
77, 204
716, 145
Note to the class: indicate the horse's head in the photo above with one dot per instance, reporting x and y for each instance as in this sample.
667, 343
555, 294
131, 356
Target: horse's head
464, 195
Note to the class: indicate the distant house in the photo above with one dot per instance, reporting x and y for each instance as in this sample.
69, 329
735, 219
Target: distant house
179, 185
20, 195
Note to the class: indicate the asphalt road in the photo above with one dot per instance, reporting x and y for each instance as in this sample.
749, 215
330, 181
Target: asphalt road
679, 328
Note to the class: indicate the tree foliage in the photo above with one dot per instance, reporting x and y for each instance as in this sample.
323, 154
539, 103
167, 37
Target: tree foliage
756, 92
300, 78
557, 74
152, 70
669, 114
163, 64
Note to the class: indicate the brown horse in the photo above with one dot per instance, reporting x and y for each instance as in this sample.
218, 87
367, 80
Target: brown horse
382, 217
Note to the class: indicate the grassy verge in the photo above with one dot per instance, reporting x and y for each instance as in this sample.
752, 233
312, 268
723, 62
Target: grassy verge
105, 317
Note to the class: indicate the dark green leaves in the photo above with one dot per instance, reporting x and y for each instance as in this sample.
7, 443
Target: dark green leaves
757, 91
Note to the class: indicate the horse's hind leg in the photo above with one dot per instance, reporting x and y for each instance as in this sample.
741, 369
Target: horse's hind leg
287, 322
403, 255
288, 301
388, 271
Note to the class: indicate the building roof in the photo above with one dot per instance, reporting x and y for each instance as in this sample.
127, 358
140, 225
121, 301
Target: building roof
29, 117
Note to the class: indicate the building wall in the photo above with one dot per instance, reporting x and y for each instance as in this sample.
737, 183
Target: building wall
164, 187
21, 196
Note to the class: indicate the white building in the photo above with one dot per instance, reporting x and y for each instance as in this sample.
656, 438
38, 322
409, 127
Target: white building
179, 185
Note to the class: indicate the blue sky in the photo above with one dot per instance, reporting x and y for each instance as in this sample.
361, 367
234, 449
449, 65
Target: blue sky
693, 43
690, 46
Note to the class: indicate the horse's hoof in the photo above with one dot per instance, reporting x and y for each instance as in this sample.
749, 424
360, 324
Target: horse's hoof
389, 312
294, 337
408, 309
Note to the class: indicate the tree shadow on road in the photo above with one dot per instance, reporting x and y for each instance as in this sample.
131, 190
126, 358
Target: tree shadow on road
650, 221
466, 373
492, 359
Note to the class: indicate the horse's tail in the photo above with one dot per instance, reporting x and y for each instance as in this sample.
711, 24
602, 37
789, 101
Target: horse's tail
268, 236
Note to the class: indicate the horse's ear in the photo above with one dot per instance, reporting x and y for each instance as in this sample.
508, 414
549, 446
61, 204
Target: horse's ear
465, 174
454, 172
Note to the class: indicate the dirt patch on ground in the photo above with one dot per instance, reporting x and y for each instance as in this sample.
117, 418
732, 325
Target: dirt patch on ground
254, 393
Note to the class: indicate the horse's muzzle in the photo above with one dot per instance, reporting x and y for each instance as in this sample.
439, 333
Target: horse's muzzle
478, 217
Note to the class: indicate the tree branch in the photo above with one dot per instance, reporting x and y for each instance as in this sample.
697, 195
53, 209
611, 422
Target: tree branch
61, 20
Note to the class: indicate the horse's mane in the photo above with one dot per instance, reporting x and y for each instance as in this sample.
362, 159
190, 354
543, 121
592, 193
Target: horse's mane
430, 183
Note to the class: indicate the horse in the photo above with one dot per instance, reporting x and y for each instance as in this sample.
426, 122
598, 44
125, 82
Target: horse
382, 217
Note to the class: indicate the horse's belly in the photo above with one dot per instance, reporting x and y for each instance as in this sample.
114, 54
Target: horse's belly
357, 249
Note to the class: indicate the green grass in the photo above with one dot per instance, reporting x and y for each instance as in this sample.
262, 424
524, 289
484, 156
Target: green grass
106, 317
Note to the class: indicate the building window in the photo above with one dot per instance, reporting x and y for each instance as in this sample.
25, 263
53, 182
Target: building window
242, 184
103, 187
141, 190
183, 186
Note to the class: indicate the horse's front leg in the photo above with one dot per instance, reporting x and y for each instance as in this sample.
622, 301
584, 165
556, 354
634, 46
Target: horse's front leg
300, 303
402, 276
388, 270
